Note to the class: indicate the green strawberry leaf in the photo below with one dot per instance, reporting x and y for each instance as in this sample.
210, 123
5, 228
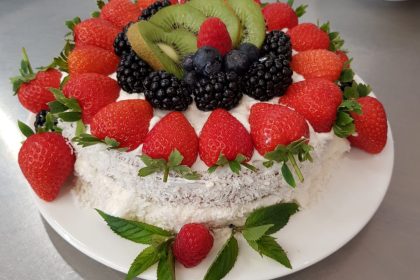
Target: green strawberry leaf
255, 233
25, 129
287, 175
175, 158
224, 261
336, 42
143, 261
301, 10
135, 231
95, 14
363, 90
80, 128
166, 265
234, 165
86, 140
347, 75
100, 4
60, 61
277, 215
268, 246
56, 107
26, 73
72, 23
70, 116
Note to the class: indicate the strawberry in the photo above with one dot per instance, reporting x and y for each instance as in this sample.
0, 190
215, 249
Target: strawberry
172, 132
315, 99
343, 56
308, 36
93, 92
317, 64
143, 4
120, 12
46, 161
192, 244
94, 32
33, 88
371, 126
126, 121
213, 33
91, 59
224, 134
278, 16
273, 125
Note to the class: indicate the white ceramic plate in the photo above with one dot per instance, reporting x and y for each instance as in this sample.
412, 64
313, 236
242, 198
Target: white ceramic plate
349, 201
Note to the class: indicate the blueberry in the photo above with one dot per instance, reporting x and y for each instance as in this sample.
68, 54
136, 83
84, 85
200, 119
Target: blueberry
251, 51
207, 61
188, 63
237, 61
190, 78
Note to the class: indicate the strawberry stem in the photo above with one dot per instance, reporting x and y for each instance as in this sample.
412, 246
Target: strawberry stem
295, 167
166, 174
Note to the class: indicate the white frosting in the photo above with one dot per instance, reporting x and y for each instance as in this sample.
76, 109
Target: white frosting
108, 179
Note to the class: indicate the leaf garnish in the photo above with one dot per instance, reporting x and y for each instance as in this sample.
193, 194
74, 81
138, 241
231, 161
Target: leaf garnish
173, 164
144, 260
286, 154
166, 265
234, 165
268, 246
66, 109
25, 129
60, 61
336, 42
86, 140
224, 261
300, 11
255, 233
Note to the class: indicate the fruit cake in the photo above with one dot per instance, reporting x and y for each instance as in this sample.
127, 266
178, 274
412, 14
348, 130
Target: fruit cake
193, 116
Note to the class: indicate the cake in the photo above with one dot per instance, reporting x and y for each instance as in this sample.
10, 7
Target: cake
221, 114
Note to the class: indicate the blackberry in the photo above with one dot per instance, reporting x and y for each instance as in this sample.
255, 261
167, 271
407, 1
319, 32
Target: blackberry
220, 90
131, 72
277, 43
268, 77
153, 9
121, 44
165, 91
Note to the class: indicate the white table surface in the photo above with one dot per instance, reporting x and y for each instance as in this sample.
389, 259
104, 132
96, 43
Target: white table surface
384, 39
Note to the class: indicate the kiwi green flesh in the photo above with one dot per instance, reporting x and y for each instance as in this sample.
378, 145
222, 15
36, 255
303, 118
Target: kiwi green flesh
161, 50
219, 9
252, 21
178, 17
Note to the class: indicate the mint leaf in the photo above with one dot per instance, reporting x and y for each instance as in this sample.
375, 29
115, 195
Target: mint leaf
25, 129
135, 231
224, 261
255, 233
144, 260
166, 265
268, 246
277, 215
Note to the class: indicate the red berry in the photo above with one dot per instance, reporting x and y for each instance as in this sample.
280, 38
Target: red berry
315, 99
192, 244
308, 36
91, 59
273, 125
120, 12
34, 95
125, 121
371, 126
317, 64
93, 92
95, 32
46, 161
224, 134
343, 56
278, 16
143, 4
213, 33
172, 132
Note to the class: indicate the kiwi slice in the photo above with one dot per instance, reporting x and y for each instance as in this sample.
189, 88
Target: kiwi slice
252, 21
219, 9
178, 17
160, 49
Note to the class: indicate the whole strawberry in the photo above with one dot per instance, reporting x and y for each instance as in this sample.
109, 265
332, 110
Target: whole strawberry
308, 36
94, 32
172, 132
46, 161
91, 59
93, 92
318, 64
371, 126
343, 56
213, 33
223, 134
278, 16
120, 12
315, 99
125, 121
33, 88
192, 244
273, 125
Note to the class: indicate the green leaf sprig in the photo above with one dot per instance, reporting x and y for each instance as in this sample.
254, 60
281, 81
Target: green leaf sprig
336, 42
172, 164
234, 165
159, 251
300, 10
86, 140
257, 231
285, 154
